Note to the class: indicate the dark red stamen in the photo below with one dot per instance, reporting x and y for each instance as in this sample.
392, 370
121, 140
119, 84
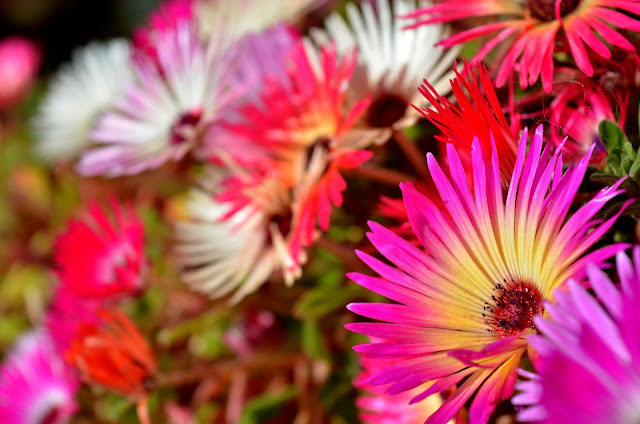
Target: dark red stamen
512, 308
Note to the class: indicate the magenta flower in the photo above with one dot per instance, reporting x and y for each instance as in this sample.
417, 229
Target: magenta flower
589, 364
467, 301
36, 387
378, 407
19, 62
99, 258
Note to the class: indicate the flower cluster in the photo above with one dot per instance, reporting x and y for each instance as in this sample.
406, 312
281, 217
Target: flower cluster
200, 195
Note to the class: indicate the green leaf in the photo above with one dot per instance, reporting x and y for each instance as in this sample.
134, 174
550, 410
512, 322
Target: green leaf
621, 157
267, 406
313, 340
320, 301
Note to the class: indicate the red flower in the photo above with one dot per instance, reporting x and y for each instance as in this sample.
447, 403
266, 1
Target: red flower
113, 354
98, 258
478, 114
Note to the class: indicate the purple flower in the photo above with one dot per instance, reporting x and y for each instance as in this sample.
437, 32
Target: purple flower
589, 352
36, 387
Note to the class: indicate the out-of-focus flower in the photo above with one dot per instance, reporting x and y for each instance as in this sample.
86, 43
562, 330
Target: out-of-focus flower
257, 58
19, 62
589, 352
477, 115
100, 258
250, 331
242, 17
378, 407
391, 61
112, 353
577, 114
219, 254
36, 386
536, 30
466, 303
67, 313
169, 15
161, 117
78, 94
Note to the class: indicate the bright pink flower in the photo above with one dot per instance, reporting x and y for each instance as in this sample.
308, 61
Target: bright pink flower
36, 387
101, 258
467, 300
165, 19
305, 134
537, 29
589, 352
378, 407
66, 315
477, 114
19, 62
577, 114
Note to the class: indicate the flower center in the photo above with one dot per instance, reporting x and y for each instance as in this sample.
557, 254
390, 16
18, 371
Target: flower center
184, 126
386, 110
545, 10
512, 308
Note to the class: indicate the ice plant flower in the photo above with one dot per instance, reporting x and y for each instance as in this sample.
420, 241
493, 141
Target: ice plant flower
377, 407
114, 354
101, 258
467, 301
536, 30
220, 250
36, 386
256, 57
161, 117
391, 61
243, 17
78, 94
307, 136
589, 356
577, 114
19, 61
477, 114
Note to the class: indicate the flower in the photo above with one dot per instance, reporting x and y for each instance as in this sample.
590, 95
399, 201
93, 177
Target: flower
36, 387
98, 258
256, 57
161, 117
577, 114
391, 61
301, 126
589, 357
248, 16
112, 353
220, 250
377, 407
67, 313
477, 115
78, 94
534, 29
19, 61
467, 301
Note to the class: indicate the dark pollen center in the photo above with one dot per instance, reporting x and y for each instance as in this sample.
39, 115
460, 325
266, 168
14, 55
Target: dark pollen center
512, 309
385, 110
187, 119
545, 11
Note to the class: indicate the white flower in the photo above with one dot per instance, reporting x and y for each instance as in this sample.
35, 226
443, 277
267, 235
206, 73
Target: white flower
392, 62
219, 255
161, 117
240, 17
78, 94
